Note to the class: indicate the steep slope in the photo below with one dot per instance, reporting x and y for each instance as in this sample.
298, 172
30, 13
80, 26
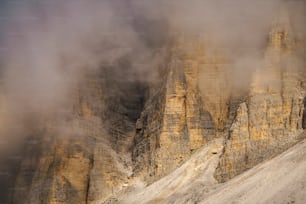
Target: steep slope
271, 119
199, 168
196, 102
84, 156
178, 118
183, 134
280, 180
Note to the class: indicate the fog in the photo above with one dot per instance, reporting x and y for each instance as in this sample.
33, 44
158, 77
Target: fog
47, 46
50, 45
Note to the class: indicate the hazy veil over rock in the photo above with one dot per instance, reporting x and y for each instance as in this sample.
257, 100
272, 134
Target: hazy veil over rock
109, 101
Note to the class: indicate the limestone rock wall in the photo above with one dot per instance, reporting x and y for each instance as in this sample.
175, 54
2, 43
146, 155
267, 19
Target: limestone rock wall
215, 87
79, 157
197, 103
271, 120
118, 129
179, 118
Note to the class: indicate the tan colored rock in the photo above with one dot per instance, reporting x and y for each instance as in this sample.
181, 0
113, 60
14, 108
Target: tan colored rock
73, 161
85, 156
185, 118
274, 110
215, 88
234, 158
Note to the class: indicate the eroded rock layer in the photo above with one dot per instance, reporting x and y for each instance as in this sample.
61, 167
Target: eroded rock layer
117, 128
271, 120
197, 103
83, 156
179, 119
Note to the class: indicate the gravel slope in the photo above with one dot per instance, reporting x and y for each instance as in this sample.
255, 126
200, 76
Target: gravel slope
281, 180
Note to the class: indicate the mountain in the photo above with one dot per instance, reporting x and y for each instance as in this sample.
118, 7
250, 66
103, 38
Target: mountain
198, 132
278, 180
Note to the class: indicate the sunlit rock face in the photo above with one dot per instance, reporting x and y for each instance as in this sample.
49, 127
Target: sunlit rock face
116, 129
272, 117
197, 103
184, 111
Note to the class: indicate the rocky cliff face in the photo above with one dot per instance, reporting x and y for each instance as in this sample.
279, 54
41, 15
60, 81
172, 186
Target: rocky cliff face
271, 119
116, 130
185, 119
83, 158
198, 104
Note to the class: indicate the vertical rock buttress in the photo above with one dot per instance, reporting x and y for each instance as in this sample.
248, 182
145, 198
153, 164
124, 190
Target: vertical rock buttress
271, 120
